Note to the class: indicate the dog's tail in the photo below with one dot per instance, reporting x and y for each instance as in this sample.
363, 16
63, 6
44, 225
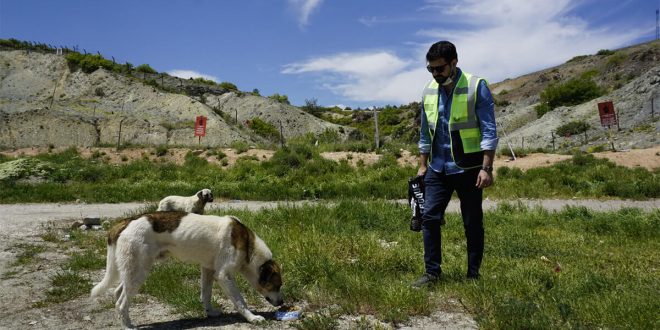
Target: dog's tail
111, 273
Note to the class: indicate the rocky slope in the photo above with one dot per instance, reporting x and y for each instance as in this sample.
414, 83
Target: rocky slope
44, 102
631, 78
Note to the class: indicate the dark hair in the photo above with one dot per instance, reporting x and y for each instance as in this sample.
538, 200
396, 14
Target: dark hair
442, 49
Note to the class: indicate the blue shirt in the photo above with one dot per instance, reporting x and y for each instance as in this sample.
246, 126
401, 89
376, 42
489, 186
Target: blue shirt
441, 159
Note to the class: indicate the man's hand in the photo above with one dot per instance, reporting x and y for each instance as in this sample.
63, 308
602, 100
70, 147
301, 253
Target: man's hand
422, 170
485, 179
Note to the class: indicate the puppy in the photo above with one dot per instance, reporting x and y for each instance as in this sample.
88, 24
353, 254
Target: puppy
192, 204
222, 246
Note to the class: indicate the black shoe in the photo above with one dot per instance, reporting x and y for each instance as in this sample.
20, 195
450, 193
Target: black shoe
425, 280
473, 276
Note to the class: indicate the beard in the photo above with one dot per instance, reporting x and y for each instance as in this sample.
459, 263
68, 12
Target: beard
445, 81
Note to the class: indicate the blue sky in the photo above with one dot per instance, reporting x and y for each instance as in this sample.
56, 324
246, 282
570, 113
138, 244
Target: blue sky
356, 53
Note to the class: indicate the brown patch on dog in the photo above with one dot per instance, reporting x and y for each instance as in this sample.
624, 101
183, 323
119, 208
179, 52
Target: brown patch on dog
242, 238
165, 221
160, 222
270, 277
115, 231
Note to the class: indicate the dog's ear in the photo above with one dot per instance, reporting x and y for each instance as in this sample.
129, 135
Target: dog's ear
267, 271
200, 195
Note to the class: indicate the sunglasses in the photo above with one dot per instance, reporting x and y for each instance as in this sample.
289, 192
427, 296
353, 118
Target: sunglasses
439, 68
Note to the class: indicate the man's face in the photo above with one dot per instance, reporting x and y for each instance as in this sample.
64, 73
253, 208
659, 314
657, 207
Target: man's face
441, 69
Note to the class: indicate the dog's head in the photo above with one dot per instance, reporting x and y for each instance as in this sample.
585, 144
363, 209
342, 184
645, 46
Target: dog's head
270, 282
205, 195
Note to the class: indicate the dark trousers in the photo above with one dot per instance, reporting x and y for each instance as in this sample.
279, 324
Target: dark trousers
439, 188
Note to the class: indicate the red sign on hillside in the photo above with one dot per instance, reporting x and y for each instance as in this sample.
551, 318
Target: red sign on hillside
200, 126
607, 114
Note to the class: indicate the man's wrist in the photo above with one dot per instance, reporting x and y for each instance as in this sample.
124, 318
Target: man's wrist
487, 168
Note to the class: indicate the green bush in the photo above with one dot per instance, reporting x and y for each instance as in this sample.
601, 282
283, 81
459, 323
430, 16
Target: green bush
145, 68
228, 86
88, 63
574, 91
264, 129
204, 81
280, 98
572, 128
161, 151
541, 109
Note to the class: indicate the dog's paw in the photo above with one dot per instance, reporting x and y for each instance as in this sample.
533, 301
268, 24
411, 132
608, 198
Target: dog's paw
256, 319
213, 312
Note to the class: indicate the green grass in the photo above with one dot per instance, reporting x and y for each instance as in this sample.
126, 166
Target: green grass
297, 172
334, 260
584, 176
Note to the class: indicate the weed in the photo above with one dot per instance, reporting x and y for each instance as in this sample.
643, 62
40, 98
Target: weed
27, 253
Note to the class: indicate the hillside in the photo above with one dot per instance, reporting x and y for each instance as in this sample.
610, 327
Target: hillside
630, 78
44, 101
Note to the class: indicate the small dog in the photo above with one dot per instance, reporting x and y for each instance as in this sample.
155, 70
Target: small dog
223, 246
192, 204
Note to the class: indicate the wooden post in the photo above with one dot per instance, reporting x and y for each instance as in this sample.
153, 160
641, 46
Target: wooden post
376, 135
281, 134
553, 140
652, 110
236, 116
119, 135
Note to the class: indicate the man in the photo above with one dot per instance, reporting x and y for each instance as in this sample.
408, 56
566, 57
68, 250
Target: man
457, 147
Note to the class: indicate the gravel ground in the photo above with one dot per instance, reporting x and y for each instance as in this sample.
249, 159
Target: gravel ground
25, 223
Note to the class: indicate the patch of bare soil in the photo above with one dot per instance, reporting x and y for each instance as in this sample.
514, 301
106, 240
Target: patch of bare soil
646, 158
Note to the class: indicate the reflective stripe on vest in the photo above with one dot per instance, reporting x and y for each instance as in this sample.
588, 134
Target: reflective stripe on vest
463, 122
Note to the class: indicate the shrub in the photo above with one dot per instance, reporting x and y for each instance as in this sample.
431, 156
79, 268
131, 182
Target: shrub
572, 128
264, 129
204, 81
145, 68
574, 91
88, 63
541, 109
577, 58
616, 59
161, 151
228, 86
605, 52
280, 98
99, 92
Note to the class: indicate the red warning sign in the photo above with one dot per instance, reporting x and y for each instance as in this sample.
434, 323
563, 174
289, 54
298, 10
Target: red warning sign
200, 126
607, 113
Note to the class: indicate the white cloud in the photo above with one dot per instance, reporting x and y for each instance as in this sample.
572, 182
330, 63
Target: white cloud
304, 9
186, 74
496, 39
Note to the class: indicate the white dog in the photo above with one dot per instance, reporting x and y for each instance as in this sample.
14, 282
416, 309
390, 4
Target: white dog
223, 246
191, 204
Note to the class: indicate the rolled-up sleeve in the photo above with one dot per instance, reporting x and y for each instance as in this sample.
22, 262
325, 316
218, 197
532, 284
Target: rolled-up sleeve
424, 138
485, 109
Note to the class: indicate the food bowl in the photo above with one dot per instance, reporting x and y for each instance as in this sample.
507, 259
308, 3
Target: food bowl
288, 313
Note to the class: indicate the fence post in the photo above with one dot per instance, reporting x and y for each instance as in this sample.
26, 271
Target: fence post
376, 135
553, 140
281, 134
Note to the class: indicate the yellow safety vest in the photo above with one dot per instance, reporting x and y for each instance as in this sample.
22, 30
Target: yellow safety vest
464, 131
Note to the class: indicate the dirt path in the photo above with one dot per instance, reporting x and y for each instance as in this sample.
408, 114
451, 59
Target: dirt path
25, 223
